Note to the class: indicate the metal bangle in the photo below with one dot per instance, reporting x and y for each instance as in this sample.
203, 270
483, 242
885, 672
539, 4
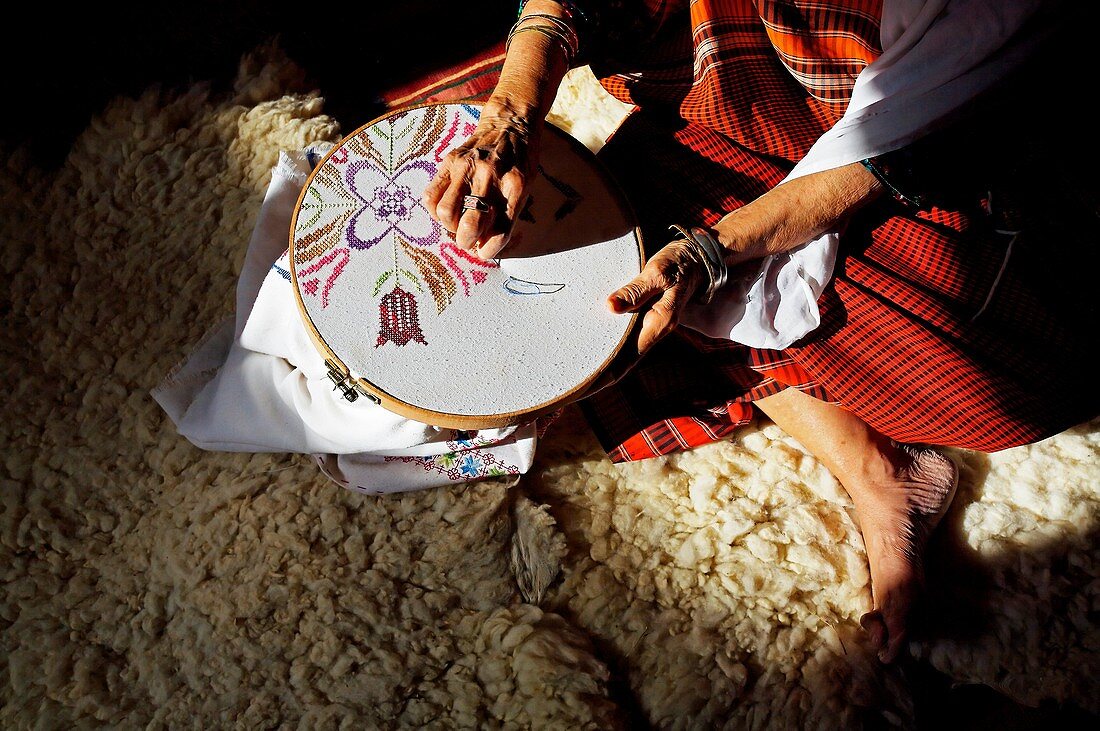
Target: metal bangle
571, 9
708, 252
716, 252
568, 47
562, 25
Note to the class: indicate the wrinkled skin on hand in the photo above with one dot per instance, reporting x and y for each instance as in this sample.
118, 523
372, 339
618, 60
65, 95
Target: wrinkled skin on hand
496, 163
785, 217
663, 288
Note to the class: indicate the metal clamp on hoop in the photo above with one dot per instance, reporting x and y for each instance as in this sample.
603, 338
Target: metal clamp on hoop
349, 388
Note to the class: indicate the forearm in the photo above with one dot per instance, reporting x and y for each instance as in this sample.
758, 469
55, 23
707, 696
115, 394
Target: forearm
532, 71
795, 212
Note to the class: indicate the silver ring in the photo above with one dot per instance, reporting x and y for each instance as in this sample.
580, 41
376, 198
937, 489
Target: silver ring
474, 203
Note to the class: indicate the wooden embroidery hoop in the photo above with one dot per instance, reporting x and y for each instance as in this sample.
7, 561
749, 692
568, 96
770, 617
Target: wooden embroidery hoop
353, 386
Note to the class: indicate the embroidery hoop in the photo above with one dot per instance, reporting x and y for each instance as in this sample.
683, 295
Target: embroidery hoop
529, 251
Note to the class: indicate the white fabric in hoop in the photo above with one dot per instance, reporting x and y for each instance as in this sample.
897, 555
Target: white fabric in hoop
937, 56
257, 383
452, 337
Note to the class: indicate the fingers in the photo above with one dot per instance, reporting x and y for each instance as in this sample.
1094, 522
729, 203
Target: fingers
448, 209
472, 223
668, 281
466, 172
663, 314
513, 187
639, 292
436, 189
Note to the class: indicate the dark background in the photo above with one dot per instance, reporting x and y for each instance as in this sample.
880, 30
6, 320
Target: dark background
61, 63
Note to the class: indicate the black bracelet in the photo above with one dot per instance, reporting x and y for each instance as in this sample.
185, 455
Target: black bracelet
872, 164
570, 8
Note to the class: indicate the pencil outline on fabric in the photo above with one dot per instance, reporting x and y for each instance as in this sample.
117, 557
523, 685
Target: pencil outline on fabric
526, 288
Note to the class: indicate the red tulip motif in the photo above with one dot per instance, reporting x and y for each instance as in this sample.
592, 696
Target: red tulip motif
398, 321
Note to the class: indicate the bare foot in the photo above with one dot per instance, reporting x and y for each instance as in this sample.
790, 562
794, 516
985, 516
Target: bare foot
897, 512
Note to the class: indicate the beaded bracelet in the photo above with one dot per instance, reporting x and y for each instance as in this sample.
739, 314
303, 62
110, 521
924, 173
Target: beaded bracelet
874, 165
571, 9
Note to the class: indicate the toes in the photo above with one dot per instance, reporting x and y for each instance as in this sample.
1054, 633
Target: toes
896, 632
873, 623
886, 628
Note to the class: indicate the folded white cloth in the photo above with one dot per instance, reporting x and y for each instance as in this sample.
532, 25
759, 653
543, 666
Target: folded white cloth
256, 383
937, 56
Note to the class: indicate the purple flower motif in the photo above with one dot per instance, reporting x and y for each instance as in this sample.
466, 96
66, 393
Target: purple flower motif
390, 204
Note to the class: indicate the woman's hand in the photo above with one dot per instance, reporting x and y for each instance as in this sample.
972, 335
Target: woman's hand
666, 284
787, 216
495, 164
498, 161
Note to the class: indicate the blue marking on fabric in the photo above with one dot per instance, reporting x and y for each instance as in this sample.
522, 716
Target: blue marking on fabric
282, 272
475, 111
526, 288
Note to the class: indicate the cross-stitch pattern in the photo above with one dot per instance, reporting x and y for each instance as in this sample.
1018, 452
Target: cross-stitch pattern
386, 288
460, 466
368, 193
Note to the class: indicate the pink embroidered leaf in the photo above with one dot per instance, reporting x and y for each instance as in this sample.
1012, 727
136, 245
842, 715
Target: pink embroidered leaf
334, 262
444, 144
452, 256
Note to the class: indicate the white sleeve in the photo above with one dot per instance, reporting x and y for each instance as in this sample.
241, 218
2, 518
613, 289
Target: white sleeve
937, 56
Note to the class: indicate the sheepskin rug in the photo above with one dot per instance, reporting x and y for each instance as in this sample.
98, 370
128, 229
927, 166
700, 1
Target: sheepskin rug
147, 583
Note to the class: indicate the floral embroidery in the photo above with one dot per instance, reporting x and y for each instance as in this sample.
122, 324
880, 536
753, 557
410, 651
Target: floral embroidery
470, 466
392, 206
364, 198
460, 467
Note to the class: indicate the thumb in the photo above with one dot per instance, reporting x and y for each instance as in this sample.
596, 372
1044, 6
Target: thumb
662, 317
637, 293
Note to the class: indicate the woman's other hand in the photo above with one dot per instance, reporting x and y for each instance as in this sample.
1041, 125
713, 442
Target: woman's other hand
667, 283
495, 164
787, 216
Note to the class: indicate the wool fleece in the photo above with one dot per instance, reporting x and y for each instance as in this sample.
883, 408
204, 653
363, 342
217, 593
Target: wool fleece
148, 583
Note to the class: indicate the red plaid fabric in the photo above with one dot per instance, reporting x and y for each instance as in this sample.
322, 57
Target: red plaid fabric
729, 99
915, 338
472, 80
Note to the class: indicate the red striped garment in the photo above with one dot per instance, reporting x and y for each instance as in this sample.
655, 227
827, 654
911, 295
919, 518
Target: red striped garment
730, 94
915, 338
